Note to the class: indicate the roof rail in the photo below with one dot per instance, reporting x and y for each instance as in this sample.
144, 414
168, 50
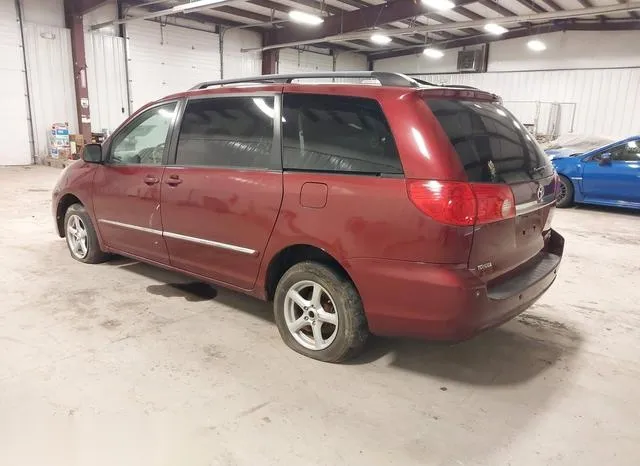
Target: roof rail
385, 78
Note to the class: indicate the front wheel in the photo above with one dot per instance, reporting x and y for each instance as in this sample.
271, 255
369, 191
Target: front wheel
565, 196
319, 313
81, 236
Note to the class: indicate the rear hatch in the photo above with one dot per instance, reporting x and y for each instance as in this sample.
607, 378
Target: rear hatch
495, 148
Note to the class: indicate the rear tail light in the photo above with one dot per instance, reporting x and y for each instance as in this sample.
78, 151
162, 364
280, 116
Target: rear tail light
462, 204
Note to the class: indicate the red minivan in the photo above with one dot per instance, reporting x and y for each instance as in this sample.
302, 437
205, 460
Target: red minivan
389, 206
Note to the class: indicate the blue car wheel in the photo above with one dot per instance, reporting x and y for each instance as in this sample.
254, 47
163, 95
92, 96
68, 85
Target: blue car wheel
565, 195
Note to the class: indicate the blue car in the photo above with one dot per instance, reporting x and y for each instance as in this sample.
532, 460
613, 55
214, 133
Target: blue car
608, 175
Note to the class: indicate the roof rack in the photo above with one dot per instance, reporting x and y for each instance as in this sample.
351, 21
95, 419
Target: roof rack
385, 78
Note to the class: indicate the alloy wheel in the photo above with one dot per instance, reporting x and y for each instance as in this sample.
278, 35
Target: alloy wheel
77, 237
311, 315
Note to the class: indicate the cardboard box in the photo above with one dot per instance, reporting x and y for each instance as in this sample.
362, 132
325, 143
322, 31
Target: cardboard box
76, 145
58, 140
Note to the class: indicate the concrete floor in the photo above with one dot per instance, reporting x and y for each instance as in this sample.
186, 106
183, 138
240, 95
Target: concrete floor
114, 365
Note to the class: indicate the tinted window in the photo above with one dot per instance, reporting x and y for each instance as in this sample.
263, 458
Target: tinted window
143, 140
493, 146
627, 152
228, 132
337, 134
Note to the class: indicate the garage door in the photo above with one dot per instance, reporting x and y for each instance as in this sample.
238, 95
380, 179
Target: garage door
296, 61
167, 59
15, 149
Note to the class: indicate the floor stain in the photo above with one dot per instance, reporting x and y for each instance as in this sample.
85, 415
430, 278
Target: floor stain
192, 292
213, 352
110, 324
540, 322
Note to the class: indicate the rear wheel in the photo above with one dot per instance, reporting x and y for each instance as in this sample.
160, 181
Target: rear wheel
81, 236
565, 195
319, 313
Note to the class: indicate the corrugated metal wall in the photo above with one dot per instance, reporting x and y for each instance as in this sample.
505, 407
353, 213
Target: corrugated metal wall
50, 68
168, 59
606, 101
349, 61
295, 61
237, 63
13, 121
106, 80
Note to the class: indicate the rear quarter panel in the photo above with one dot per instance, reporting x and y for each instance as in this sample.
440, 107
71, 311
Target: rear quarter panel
364, 217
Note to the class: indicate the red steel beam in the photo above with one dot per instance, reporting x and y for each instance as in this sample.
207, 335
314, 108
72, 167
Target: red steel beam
82, 7
75, 23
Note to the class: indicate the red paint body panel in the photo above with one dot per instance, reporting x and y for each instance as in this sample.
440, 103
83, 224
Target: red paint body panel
121, 195
237, 207
416, 276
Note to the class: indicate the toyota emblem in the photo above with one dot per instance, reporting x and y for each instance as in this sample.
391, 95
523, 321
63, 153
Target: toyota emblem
540, 193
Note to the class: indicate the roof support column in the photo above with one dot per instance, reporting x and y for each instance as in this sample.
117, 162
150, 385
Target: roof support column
76, 24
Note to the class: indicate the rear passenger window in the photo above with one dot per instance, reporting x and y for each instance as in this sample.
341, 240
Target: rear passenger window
337, 134
228, 132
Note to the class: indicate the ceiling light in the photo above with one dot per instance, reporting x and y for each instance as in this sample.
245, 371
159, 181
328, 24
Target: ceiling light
536, 45
433, 53
380, 39
439, 4
493, 28
305, 18
186, 7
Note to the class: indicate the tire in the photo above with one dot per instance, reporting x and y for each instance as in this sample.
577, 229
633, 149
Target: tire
565, 196
81, 236
336, 301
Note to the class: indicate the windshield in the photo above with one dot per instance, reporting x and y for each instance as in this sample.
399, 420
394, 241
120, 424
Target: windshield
493, 146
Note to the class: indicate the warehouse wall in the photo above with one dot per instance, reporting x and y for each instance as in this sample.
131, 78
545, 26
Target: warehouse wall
46, 12
565, 50
594, 75
306, 61
51, 85
106, 81
294, 61
13, 120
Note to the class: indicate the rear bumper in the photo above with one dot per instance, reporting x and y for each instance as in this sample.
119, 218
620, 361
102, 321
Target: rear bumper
443, 302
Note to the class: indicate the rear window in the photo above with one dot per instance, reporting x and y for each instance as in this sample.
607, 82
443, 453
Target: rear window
337, 134
493, 146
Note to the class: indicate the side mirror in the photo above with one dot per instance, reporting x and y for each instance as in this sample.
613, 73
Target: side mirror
605, 159
92, 153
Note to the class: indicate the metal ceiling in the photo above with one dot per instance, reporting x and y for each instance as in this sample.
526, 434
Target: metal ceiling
411, 24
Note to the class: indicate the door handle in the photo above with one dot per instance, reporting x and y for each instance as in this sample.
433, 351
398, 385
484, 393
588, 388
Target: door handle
150, 180
174, 180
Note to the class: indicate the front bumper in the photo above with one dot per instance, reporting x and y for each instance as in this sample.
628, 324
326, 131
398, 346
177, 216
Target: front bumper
443, 302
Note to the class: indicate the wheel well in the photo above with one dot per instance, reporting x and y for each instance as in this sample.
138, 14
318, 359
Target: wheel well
293, 255
67, 201
560, 175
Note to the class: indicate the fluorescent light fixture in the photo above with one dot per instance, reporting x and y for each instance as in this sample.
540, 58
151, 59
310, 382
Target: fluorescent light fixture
536, 45
380, 39
495, 29
305, 18
439, 4
433, 53
193, 5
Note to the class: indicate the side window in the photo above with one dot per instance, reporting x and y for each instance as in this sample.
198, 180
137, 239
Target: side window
228, 132
337, 134
627, 152
143, 141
